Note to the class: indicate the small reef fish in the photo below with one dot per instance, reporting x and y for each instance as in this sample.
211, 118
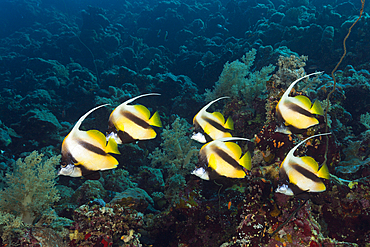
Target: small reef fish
303, 173
211, 126
297, 112
84, 153
222, 158
130, 123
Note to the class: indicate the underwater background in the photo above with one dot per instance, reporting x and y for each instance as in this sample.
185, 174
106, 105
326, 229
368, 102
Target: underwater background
61, 58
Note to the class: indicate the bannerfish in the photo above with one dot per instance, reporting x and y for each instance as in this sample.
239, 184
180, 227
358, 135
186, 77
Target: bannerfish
222, 158
303, 173
211, 126
84, 153
297, 112
130, 123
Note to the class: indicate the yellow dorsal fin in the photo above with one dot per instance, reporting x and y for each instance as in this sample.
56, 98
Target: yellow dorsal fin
234, 148
306, 102
317, 109
112, 147
219, 117
245, 161
143, 110
310, 162
229, 124
212, 162
323, 172
155, 120
98, 136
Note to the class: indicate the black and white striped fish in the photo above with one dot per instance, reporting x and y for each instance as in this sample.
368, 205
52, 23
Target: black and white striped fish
297, 112
222, 158
130, 123
211, 126
84, 153
301, 174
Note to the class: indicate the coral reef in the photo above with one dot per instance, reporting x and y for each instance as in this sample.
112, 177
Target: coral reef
60, 58
28, 196
30, 187
176, 156
103, 226
237, 80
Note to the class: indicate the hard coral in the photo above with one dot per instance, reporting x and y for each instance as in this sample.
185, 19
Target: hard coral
347, 212
248, 118
197, 221
105, 226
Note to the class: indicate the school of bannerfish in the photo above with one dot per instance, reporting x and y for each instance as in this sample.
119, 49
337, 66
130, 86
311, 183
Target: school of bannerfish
86, 153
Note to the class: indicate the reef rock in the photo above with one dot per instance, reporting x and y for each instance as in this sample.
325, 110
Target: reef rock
41, 121
88, 191
134, 198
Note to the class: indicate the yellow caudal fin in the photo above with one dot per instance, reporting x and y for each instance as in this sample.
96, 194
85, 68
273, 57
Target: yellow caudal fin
246, 161
323, 172
97, 136
317, 109
235, 149
229, 124
112, 147
155, 120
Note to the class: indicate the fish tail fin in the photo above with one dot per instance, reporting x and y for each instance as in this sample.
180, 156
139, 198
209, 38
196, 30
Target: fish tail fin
229, 123
323, 172
317, 109
155, 120
245, 161
112, 146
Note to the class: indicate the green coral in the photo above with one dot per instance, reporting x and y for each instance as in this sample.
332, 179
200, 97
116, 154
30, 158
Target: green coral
31, 187
365, 120
177, 155
237, 80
